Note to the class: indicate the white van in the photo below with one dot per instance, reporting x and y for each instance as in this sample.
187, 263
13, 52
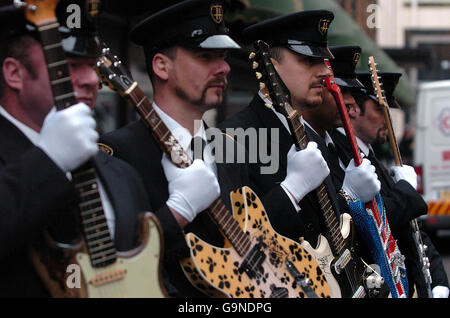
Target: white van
432, 152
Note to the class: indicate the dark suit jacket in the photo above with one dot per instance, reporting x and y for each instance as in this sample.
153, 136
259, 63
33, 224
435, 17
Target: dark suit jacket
403, 204
35, 195
308, 222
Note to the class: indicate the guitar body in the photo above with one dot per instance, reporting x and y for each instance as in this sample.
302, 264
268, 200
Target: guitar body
392, 270
136, 273
340, 280
221, 272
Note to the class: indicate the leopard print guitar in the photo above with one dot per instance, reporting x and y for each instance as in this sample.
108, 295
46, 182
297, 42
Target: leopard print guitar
275, 266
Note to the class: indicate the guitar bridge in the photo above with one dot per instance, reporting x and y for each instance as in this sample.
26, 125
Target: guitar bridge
342, 261
108, 277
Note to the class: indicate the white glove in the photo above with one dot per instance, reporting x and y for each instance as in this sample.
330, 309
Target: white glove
361, 183
306, 170
69, 137
406, 173
440, 292
185, 196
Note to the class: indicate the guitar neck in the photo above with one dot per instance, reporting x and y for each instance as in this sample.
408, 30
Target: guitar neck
218, 211
391, 136
59, 75
336, 240
98, 239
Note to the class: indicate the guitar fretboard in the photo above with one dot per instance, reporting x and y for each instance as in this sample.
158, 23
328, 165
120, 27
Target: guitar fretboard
334, 234
93, 221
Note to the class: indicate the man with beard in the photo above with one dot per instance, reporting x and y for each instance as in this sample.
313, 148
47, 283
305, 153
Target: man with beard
401, 200
298, 46
185, 47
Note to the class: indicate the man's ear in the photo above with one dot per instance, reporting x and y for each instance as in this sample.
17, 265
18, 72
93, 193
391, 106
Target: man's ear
161, 65
353, 110
13, 73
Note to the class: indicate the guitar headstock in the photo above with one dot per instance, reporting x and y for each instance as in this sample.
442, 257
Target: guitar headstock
376, 82
269, 78
330, 81
39, 12
112, 73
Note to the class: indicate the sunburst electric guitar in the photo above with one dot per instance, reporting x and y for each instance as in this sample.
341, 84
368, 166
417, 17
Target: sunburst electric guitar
424, 283
256, 261
336, 253
370, 218
104, 271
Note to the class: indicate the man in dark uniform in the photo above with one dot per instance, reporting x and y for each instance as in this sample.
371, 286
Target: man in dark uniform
298, 46
39, 148
185, 46
402, 202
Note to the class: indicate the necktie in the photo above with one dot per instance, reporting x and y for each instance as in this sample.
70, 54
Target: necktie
197, 147
334, 159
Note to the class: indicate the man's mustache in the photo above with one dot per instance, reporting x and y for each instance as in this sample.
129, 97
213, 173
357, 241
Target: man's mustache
218, 82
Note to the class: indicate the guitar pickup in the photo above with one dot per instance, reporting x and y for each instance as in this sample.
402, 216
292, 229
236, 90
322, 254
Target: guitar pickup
108, 277
342, 261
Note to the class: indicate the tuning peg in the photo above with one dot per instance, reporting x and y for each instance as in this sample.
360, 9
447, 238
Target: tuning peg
255, 65
262, 85
268, 105
117, 64
266, 95
100, 63
111, 76
105, 50
258, 75
252, 55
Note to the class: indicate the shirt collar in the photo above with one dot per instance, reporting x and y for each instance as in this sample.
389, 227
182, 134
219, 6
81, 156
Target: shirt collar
361, 144
31, 134
183, 135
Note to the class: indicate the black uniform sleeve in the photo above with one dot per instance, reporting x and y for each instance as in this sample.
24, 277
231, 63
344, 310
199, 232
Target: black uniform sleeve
30, 189
403, 204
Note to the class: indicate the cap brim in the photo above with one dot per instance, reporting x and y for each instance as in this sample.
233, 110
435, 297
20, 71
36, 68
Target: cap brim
349, 82
219, 41
313, 51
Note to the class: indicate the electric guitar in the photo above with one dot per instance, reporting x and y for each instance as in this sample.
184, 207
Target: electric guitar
256, 261
104, 271
424, 285
336, 253
370, 219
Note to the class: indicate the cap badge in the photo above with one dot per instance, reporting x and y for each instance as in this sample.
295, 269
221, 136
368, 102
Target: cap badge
323, 26
356, 58
216, 12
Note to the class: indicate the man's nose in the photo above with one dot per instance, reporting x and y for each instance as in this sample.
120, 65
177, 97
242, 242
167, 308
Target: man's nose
222, 67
